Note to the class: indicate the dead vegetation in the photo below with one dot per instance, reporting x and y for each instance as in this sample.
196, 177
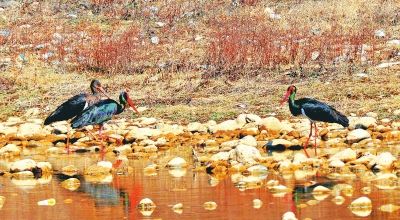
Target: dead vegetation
194, 60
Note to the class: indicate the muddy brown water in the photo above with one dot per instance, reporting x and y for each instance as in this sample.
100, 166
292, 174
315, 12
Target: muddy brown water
119, 198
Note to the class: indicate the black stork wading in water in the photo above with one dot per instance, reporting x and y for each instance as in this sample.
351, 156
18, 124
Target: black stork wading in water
314, 110
101, 112
75, 105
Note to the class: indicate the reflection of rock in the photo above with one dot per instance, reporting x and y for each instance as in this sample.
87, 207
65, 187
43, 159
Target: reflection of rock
25, 184
321, 192
210, 205
244, 182
96, 173
178, 208
71, 184
2, 201
257, 203
146, 206
389, 208
289, 216
69, 170
361, 206
385, 181
338, 200
177, 172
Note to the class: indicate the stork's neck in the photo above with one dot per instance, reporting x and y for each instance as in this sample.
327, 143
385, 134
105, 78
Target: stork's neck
291, 100
121, 108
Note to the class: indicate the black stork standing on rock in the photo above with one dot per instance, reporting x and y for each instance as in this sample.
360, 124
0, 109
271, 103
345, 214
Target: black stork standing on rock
314, 110
75, 105
101, 112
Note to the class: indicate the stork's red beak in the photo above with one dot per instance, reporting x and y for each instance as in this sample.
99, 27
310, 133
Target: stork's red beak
104, 92
132, 105
285, 98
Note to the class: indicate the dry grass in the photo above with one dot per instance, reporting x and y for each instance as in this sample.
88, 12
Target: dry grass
210, 55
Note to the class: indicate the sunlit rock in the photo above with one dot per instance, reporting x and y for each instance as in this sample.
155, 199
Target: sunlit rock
178, 208
338, 200
229, 144
31, 129
357, 135
279, 190
146, 206
10, 150
382, 162
257, 203
71, 184
366, 122
336, 163
105, 164
196, 127
272, 183
248, 118
361, 206
258, 170
279, 143
221, 156
248, 140
272, 125
2, 201
47, 202
345, 155
289, 216
245, 154
228, 125
389, 208
22, 165
141, 133
177, 162
148, 121
210, 205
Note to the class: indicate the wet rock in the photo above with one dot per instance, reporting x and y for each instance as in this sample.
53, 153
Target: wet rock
22, 165
357, 135
146, 204
177, 172
97, 170
45, 167
221, 156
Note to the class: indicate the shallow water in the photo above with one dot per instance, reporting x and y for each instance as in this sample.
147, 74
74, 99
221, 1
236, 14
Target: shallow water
118, 199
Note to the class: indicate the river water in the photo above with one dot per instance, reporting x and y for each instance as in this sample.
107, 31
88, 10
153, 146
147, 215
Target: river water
118, 196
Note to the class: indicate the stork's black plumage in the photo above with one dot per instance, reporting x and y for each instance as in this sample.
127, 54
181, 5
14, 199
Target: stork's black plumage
76, 104
314, 110
101, 112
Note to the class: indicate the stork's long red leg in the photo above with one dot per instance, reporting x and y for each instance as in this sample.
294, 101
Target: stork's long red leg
309, 136
315, 138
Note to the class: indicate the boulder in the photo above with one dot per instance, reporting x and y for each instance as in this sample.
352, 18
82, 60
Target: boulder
23, 165
357, 135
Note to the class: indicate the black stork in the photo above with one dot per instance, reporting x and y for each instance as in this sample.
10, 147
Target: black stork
75, 105
314, 110
101, 112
